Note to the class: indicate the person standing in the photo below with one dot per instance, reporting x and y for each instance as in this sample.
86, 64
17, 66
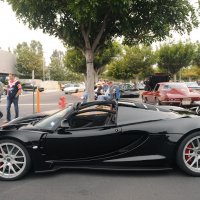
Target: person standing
117, 92
1, 89
14, 90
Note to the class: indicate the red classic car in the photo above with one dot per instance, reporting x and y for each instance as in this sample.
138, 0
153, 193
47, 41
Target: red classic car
171, 93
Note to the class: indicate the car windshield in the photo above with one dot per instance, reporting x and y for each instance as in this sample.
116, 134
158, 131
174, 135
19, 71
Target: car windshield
182, 87
68, 85
51, 122
126, 87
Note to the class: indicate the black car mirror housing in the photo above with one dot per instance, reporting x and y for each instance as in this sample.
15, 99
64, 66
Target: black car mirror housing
65, 124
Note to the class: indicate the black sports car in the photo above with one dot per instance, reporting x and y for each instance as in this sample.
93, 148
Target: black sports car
102, 135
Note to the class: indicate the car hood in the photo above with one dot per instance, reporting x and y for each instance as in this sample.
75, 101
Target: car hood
24, 121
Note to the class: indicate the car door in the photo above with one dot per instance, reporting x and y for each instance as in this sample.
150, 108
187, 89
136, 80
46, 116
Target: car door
85, 138
129, 118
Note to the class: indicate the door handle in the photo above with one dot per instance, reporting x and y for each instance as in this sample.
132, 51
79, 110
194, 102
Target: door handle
116, 130
67, 132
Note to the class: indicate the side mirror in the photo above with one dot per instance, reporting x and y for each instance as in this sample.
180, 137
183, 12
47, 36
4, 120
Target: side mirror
65, 124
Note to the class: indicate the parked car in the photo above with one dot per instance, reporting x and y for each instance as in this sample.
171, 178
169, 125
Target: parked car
73, 88
141, 86
171, 93
30, 87
102, 135
193, 86
128, 90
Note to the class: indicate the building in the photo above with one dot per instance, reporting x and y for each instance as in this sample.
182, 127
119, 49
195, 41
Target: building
7, 64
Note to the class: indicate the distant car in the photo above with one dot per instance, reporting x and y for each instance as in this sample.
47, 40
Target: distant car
141, 86
73, 88
127, 91
193, 86
171, 93
30, 87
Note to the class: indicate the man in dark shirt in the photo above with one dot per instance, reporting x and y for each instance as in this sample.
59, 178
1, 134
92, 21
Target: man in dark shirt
14, 90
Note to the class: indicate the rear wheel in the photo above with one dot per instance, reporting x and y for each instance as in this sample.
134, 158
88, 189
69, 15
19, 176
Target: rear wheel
15, 161
144, 100
188, 154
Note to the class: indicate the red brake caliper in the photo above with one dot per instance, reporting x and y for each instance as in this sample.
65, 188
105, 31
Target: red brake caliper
187, 151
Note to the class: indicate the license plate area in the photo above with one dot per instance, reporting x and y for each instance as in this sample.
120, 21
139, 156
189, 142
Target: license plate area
186, 101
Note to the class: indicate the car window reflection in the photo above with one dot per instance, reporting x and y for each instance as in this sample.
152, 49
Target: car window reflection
51, 122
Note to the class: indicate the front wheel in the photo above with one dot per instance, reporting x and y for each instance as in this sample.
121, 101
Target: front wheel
15, 161
157, 102
188, 154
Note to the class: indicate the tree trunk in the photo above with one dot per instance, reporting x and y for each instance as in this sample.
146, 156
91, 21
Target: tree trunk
90, 74
85, 79
95, 76
175, 78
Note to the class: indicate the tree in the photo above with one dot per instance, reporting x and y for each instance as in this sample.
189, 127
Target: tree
137, 61
75, 61
190, 73
60, 73
28, 58
56, 70
196, 60
173, 57
88, 25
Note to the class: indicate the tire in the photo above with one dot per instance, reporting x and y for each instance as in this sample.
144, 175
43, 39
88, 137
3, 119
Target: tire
15, 161
188, 154
157, 102
76, 91
144, 100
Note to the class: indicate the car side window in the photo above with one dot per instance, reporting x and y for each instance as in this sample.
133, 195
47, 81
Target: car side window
156, 87
166, 87
90, 119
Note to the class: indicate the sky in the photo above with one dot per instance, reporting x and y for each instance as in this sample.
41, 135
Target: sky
12, 32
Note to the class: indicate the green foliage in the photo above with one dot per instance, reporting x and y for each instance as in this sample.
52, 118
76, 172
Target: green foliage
196, 60
28, 58
137, 61
59, 72
105, 55
56, 69
190, 73
75, 61
138, 21
173, 57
